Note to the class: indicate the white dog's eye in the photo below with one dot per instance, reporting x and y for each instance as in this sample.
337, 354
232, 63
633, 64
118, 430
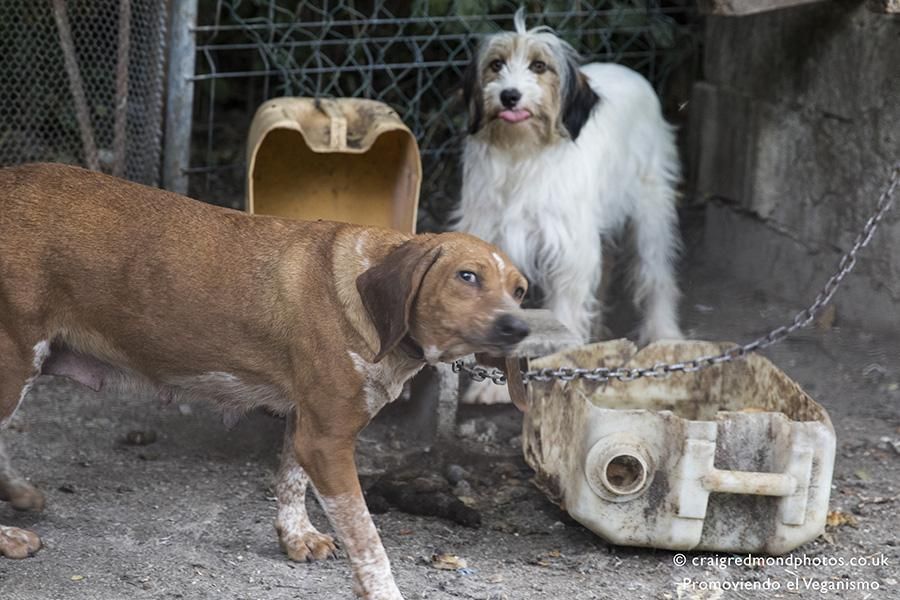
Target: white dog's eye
497, 65
537, 66
468, 277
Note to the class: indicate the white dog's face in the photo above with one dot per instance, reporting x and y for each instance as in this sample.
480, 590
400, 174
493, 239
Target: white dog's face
524, 88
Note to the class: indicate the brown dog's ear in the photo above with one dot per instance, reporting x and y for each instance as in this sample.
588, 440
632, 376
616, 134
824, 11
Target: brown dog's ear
389, 289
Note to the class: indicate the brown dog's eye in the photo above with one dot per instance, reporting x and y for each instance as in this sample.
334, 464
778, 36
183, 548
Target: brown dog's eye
538, 66
468, 277
520, 293
497, 65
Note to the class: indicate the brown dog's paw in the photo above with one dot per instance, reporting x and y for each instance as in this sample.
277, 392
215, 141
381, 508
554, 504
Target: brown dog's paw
308, 546
18, 543
23, 497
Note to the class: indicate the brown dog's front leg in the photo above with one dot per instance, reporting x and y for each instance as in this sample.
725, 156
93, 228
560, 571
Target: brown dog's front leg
329, 462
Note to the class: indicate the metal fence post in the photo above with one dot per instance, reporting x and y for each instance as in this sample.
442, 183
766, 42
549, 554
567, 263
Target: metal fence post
179, 95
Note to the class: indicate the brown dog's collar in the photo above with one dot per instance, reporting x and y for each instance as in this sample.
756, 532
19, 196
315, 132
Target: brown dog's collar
411, 348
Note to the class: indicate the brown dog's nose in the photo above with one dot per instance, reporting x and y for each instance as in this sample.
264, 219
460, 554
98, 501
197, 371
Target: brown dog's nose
509, 329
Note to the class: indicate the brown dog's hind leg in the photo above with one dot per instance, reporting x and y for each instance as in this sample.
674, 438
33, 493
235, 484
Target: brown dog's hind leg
15, 542
20, 494
299, 539
15, 371
18, 543
18, 366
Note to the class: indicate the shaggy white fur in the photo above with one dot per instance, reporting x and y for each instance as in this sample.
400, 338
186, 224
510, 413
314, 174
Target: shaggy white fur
567, 158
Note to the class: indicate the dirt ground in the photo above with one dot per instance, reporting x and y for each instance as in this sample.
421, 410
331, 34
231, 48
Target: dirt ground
191, 515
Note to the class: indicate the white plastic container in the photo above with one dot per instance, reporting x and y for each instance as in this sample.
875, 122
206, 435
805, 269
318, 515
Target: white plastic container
734, 458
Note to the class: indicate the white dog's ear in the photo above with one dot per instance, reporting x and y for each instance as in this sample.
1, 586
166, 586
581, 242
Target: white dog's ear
578, 100
473, 95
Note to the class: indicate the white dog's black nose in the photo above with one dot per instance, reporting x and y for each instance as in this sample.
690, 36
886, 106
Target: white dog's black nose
509, 97
509, 329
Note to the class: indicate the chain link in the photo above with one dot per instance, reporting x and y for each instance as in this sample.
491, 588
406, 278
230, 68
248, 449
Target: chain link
659, 370
54, 62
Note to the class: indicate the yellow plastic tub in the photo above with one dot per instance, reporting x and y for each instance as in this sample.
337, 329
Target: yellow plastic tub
344, 159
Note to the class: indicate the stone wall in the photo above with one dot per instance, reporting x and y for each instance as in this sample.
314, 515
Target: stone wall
794, 126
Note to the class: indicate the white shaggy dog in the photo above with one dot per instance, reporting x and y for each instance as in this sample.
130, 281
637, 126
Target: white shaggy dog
558, 158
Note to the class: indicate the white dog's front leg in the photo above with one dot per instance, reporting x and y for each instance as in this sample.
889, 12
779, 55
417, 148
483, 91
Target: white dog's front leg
571, 292
654, 286
486, 392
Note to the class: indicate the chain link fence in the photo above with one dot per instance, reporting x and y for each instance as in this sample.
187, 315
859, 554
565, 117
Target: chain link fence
81, 82
410, 55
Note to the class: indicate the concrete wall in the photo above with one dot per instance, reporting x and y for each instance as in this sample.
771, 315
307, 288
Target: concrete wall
793, 130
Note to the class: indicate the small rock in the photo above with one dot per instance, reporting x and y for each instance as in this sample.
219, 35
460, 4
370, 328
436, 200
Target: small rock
448, 562
886, 443
455, 474
185, 409
479, 430
506, 470
468, 429
462, 489
139, 438
66, 488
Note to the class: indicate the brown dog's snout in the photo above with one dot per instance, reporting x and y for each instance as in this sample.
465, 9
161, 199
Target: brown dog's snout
510, 329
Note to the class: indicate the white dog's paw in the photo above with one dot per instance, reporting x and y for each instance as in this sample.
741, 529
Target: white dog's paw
486, 392
653, 332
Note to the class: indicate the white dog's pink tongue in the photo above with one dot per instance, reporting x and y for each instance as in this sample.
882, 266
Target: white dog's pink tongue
514, 116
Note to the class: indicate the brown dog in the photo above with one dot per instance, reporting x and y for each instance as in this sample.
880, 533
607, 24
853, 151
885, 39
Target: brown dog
106, 281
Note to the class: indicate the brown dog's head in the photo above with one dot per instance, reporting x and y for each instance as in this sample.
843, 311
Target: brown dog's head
451, 294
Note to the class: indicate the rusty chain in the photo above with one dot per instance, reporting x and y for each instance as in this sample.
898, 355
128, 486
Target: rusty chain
659, 370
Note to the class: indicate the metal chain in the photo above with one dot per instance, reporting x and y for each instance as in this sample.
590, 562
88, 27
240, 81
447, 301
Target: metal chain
659, 370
